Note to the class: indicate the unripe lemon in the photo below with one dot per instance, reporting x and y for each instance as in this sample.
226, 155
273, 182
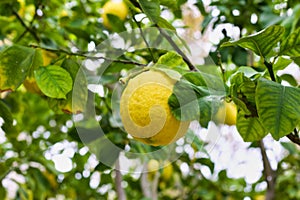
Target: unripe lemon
145, 111
227, 113
117, 8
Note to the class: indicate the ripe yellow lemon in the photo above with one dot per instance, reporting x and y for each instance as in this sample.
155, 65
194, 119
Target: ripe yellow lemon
117, 8
227, 113
145, 111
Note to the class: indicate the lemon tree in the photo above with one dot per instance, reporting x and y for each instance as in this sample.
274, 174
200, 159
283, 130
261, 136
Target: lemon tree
60, 97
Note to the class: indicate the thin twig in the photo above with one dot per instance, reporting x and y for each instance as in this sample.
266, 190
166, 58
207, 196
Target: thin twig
270, 174
146, 42
221, 66
89, 57
28, 29
177, 49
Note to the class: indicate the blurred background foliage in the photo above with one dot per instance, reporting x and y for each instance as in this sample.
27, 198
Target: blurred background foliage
42, 137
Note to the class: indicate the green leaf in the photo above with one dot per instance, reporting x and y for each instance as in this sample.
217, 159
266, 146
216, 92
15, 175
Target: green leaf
290, 79
118, 24
194, 102
207, 162
278, 107
54, 81
171, 60
15, 63
260, 43
7, 117
162, 23
184, 102
2, 191
77, 97
151, 8
291, 45
250, 128
169, 3
281, 63
242, 91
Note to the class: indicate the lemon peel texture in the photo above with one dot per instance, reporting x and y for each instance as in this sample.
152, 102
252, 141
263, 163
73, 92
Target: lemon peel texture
145, 111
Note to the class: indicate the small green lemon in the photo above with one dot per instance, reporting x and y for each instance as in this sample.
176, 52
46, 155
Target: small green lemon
145, 111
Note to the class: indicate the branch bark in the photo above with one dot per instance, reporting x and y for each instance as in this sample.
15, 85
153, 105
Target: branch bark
149, 187
270, 174
118, 180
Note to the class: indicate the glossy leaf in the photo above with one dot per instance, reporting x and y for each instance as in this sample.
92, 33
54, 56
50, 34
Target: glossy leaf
15, 63
278, 107
171, 60
151, 8
291, 45
54, 81
250, 128
260, 43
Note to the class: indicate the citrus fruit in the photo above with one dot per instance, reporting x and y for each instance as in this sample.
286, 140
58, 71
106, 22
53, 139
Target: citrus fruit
227, 113
167, 171
117, 8
153, 166
145, 111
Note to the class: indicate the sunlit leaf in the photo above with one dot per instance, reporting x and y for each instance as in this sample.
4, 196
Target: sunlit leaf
262, 42
291, 45
278, 107
54, 81
170, 60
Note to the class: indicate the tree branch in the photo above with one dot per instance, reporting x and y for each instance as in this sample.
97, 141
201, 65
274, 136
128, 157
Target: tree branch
118, 179
27, 29
270, 174
294, 137
177, 49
